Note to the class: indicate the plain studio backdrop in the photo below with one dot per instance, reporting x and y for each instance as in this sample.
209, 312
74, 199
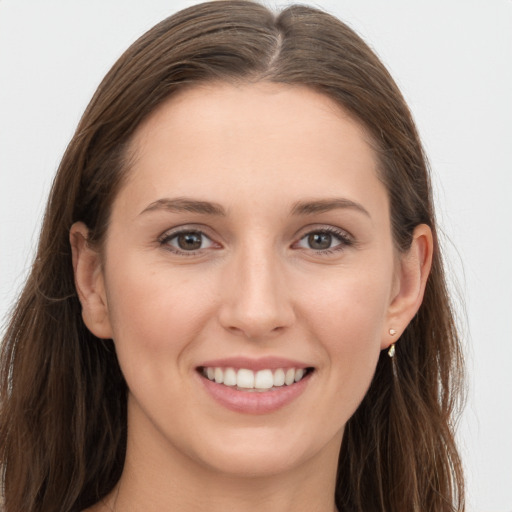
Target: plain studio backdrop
453, 61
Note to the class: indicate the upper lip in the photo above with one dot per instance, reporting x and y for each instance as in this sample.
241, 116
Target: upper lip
263, 363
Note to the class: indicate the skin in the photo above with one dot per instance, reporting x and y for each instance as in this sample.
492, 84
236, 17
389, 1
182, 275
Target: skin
255, 288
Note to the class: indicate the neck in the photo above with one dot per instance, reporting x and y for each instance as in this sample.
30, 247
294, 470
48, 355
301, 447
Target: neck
250, 497
296, 491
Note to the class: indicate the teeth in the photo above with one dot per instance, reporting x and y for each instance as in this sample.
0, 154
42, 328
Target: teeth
247, 379
264, 379
230, 377
290, 376
298, 374
279, 377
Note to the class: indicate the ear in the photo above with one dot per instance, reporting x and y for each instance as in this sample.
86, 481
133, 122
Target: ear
412, 272
89, 282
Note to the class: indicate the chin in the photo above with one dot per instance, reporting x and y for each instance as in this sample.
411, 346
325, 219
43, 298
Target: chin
255, 463
254, 454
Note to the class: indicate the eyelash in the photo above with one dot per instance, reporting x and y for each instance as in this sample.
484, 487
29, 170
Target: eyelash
166, 238
344, 239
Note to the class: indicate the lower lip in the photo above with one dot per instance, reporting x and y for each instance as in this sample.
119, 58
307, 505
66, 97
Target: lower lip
255, 402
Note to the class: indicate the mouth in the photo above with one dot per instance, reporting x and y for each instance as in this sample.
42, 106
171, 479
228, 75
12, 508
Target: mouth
244, 379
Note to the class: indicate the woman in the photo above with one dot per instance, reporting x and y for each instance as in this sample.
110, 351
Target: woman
238, 296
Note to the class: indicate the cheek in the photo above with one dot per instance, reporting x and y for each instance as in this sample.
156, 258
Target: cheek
349, 312
347, 319
155, 314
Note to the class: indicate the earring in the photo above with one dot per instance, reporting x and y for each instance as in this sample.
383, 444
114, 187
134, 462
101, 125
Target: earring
391, 351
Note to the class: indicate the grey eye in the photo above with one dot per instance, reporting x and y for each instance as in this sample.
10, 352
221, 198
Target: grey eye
320, 241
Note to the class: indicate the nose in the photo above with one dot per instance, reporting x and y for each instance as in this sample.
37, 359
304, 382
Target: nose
255, 298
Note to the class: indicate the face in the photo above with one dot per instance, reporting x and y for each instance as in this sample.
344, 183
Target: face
249, 277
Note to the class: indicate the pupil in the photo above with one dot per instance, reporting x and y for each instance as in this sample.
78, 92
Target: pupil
189, 241
320, 240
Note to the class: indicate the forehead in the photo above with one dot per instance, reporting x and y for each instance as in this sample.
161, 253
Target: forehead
220, 138
263, 111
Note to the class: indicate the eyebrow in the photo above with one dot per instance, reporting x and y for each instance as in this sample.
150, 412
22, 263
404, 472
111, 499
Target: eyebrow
325, 205
183, 204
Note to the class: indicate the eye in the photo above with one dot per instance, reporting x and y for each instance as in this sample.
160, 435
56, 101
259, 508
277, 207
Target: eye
187, 241
324, 240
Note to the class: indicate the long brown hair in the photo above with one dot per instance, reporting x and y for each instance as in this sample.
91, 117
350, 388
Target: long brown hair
63, 397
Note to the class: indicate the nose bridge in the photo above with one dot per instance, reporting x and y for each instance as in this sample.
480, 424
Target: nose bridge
256, 300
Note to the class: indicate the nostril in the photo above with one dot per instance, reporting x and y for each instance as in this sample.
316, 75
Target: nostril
255, 330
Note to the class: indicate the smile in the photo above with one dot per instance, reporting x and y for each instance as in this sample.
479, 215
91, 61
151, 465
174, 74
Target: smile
244, 379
